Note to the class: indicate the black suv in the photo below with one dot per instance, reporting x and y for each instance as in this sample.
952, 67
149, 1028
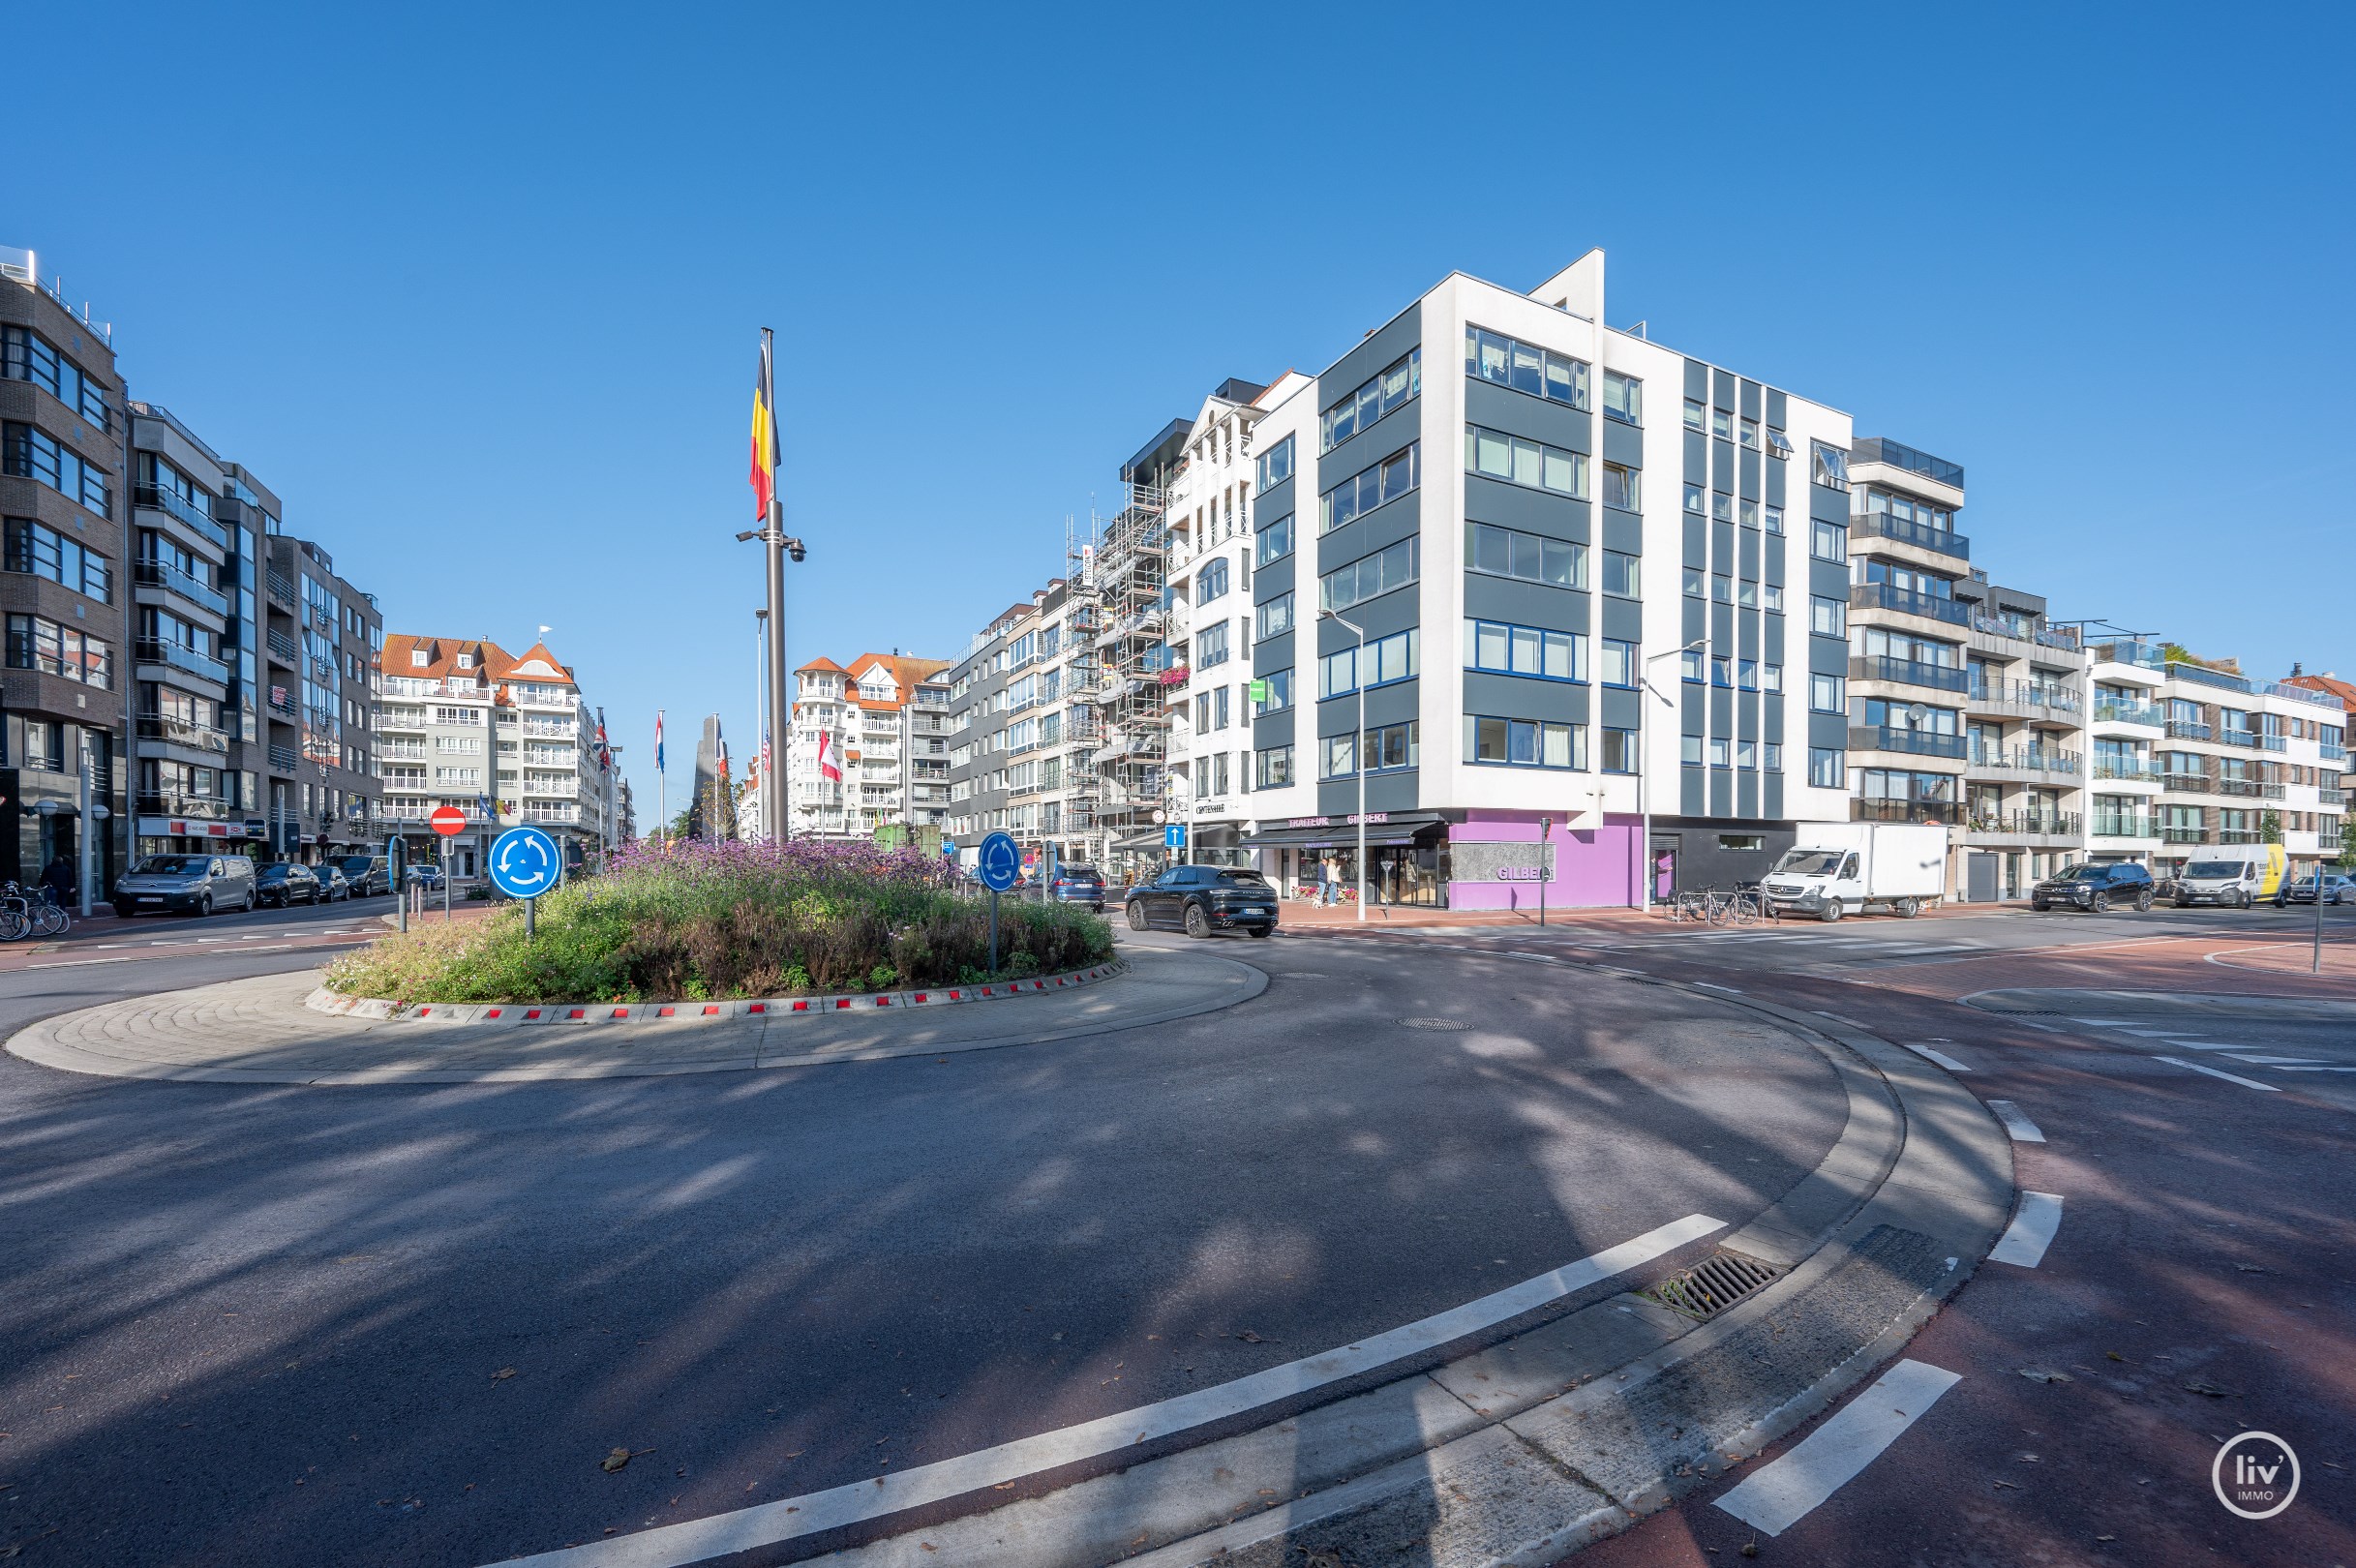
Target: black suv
287, 883
2095, 886
1200, 899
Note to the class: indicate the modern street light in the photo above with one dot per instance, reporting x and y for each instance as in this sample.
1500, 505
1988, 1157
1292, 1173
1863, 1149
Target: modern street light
1644, 775
1357, 745
779, 546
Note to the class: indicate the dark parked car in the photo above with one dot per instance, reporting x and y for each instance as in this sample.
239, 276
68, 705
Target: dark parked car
2337, 888
428, 877
2095, 886
332, 886
289, 882
1078, 885
198, 884
1200, 899
368, 874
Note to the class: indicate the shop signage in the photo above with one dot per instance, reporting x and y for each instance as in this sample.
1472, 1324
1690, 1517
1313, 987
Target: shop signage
1520, 873
1372, 816
1309, 822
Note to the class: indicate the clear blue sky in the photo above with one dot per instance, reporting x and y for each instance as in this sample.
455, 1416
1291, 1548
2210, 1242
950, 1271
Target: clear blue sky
476, 289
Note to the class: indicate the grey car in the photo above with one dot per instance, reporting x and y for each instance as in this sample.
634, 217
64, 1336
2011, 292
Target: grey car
186, 884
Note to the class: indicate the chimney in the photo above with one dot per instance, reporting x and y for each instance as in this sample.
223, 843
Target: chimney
2294, 668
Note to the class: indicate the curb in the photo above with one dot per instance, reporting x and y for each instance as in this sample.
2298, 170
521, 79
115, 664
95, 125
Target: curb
337, 1005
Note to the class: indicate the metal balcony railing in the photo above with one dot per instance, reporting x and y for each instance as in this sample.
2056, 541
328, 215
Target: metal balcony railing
179, 731
281, 646
170, 502
2025, 823
2183, 833
1906, 531
1866, 809
173, 580
152, 651
1909, 672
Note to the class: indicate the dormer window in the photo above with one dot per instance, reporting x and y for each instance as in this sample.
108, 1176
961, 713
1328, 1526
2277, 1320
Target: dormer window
466, 661
418, 659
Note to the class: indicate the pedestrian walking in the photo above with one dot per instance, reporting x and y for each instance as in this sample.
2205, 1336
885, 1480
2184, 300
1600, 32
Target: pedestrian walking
58, 877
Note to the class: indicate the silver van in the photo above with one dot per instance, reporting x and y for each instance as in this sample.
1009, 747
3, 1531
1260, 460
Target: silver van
194, 884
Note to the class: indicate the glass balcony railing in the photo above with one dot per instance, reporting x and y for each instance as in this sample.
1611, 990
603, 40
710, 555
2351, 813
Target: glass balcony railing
2109, 826
170, 502
2184, 783
155, 574
1898, 455
2111, 710
2030, 761
1920, 742
1887, 596
2024, 824
179, 731
2183, 833
150, 650
2131, 770
1908, 672
2188, 730
1906, 531
1863, 809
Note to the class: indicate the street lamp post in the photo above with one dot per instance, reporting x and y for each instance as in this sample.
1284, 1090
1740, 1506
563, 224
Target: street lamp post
1644, 775
1357, 745
1546, 830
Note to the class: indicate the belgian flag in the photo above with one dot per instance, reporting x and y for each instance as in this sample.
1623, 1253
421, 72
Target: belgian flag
764, 432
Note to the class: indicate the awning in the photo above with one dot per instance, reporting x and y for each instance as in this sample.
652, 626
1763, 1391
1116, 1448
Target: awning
1402, 828
1135, 843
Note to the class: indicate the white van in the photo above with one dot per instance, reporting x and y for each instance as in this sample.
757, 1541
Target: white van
1837, 868
2234, 876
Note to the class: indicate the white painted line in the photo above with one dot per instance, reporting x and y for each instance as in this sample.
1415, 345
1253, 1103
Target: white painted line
1709, 985
2154, 1033
671, 1546
2277, 1061
2032, 1230
2023, 1130
2247, 1083
2320, 1069
1780, 1494
1941, 1057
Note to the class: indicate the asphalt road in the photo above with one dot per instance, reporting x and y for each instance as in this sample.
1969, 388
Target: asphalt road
405, 1324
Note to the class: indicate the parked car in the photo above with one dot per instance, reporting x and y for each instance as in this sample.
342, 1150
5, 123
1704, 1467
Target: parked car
285, 883
2095, 887
1078, 885
368, 874
2336, 889
198, 884
2234, 877
428, 877
332, 886
1200, 899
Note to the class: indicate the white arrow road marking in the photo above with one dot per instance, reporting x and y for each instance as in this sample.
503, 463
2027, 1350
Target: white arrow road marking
1780, 1494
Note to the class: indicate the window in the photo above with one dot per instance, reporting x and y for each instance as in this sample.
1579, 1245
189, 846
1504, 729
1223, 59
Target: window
1750, 432
37, 642
1722, 506
1722, 588
1274, 541
1827, 617
1749, 513
1386, 481
27, 452
1779, 445
1525, 650
1511, 742
1770, 596
1517, 365
1386, 660
1747, 595
1519, 462
1689, 751
1771, 678
1622, 575
1272, 769
1829, 541
1272, 619
1219, 708
1624, 398
1211, 645
1826, 694
1508, 553
1827, 768
1773, 517
1277, 684
1689, 663
1831, 465
1717, 752
1697, 501
1210, 581
1620, 752
1622, 488
1696, 583
1392, 567
1721, 424
1276, 465
1382, 393
1387, 749
1620, 667
1694, 413
1772, 752
1202, 711
25, 356
1722, 672
44, 552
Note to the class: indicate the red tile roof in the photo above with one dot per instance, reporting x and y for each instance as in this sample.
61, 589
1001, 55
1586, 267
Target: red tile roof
2329, 682
441, 654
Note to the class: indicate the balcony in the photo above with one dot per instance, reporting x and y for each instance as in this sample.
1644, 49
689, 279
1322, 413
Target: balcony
280, 647
2025, 695
2331, 797
2188, 730
2184, 783
1898, 455
2238, 835
2030, 761
281, 590
2175, 833
149, 651
155, 574
1989, 825
179, 731
170, 502
1906, 531
2110, 826
1886, 596
2332, 752
283, 758
281, 704
1920, 742
1909, 673
2110, 710
1872, 809
181, 803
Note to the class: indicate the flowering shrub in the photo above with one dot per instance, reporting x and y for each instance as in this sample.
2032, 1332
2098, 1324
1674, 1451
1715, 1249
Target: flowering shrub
695, 921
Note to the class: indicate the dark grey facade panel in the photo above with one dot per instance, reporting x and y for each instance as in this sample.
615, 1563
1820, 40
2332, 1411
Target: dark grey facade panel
1827, 730
1384, 705
1697, 458
1693, 715
1697, 540
1748, 486
1692, 802
1721, 791
1750, 400
1274, 580
1747, 552
1533, 511
1697, 379
1747, 794
1721, 628
1746, 633
1378, 617
1402, 427
1721, 710
1277, 652
1276, 729
1518, 414
1276, 499
1722, 466
1693, 620
1384, 792
1776, 410
1722, 388
1771, 565
1623, 619
1770, 790
1829, 578
1525, 604
1497, 696
1624, 531
1623, 444
1385, 525
1399, 334
1617, 708
1825, 505
1770, 717
1722, 547
1776, 472
1826, 656
1746, 715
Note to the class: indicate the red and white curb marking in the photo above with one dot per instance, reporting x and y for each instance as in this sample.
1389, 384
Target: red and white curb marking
335, 1002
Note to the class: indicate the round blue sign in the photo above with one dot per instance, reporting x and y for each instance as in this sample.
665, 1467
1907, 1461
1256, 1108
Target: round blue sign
999, 863
526, 863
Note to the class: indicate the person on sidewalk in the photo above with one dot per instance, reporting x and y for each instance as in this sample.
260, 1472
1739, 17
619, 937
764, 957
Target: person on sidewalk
58, 877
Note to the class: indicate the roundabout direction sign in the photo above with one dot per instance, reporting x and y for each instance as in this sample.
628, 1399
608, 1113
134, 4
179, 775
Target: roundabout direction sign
998, 863
526, 863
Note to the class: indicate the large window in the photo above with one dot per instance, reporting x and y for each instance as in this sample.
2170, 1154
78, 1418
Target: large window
1509, 553
1276, 465
1272, 769
1278, 685
1538, 372
1829, 541
1402, 381
25, 356
1511, 742
1618, 660
1519, 461
1274, 542
1827, 617
1211, 645
1624, 398
1386, 660
1623, 575
1620, 751
1501, 649
44, 552
1827, 768
1360, 494
1392, 567
1389, 749
37, 642
30, 453
1624, 488
1210, 581
1274, 619
1831, 465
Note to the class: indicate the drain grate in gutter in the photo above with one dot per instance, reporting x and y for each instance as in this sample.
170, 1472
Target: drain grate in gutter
1712, 1286
1434, 1023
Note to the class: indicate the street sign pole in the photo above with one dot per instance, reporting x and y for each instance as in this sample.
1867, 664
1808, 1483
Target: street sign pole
445, 880
1545, 827
531, 907
993, 932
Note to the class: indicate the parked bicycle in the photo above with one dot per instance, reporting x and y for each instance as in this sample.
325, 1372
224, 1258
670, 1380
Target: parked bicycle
23, 914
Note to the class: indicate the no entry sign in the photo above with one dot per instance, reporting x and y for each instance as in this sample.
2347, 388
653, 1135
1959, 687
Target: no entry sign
447, 821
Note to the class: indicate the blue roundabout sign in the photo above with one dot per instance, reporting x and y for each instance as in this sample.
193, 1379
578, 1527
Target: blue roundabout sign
526, 863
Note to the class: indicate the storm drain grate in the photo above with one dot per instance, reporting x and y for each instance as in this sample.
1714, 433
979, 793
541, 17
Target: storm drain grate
1712, 1286
1434, 1023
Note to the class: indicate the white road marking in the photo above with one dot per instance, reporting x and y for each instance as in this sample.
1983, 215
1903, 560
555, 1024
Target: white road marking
1941, 1057
1780, 1494
1709, 985
2276, 1061
2032, 1230
2017, 1123
2247, 1083
671, 1545
2319, 1070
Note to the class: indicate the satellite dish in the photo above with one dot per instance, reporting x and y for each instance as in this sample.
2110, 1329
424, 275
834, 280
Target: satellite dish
1916, 714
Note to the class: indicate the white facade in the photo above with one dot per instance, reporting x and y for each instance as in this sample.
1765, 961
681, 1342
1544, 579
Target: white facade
883, 726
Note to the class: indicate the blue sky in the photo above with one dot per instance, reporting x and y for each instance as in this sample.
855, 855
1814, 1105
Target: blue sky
478, 291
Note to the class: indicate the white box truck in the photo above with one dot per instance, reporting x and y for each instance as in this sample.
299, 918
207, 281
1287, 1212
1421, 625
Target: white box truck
1837, 868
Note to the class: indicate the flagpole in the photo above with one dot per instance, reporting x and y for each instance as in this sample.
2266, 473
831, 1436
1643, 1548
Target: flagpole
760, 702
772, 541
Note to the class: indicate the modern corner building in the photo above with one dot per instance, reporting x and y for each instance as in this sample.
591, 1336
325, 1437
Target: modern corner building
1536, 575
868, 748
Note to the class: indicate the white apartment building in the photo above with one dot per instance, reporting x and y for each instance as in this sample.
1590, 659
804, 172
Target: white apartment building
1023, 732
868, 748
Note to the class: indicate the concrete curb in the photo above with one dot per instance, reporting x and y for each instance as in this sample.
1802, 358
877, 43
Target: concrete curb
1526, 1450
